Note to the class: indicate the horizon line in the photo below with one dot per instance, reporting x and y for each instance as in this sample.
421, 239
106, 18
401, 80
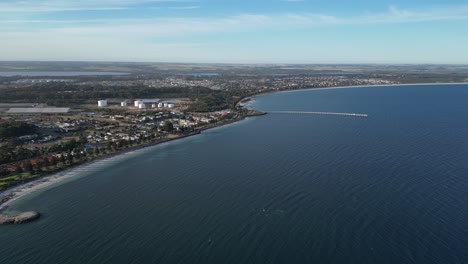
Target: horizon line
233, 63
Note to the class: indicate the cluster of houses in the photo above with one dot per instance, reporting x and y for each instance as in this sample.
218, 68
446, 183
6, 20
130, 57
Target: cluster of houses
71, 125
99, 130
35, 138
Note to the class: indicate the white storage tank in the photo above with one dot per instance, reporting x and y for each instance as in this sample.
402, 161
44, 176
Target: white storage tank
124, 104
141, 106
170, 105
138, 102
102, 103
160, 105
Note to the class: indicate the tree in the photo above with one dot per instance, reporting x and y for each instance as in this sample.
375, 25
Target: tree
168, 126
54, 161
28, 166
15, 129
82, 140
46, 162
109, 145
4, 173
70, 158
39, 164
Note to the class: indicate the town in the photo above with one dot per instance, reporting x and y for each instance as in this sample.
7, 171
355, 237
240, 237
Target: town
55, 121
37, 140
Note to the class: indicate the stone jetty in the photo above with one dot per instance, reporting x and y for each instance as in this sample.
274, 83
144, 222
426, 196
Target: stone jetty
19, 218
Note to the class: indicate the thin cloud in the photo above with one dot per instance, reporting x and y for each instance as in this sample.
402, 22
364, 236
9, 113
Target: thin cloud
181, 26
154, 38
393, 15
184, 7
397, 15
40, 6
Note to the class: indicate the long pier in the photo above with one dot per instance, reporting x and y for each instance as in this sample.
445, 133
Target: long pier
318, 113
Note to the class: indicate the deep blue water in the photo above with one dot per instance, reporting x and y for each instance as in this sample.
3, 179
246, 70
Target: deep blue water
390, 188
55, 74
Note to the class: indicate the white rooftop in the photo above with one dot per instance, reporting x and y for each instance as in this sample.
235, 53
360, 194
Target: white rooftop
45, 110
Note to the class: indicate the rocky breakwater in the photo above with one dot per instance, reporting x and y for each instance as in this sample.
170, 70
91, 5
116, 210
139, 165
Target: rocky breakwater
19, 218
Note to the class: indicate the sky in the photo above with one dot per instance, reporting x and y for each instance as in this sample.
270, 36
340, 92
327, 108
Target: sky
242, 31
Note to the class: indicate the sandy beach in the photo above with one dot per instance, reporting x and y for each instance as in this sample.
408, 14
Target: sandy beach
15, 193
20, 191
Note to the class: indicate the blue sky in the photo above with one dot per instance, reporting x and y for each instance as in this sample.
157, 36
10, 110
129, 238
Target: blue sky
227, 31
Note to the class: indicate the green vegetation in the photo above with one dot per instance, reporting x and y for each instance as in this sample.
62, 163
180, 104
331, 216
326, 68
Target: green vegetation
168, 126
16, 129
209, 103
69, 94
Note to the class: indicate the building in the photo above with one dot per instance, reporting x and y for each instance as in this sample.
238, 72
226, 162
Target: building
146, 101
102, 103
138, 102
38, 110
149, 101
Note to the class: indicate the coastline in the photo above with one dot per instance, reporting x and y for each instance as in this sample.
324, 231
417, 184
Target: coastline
373, 85
349, 87
25, 189
15, 193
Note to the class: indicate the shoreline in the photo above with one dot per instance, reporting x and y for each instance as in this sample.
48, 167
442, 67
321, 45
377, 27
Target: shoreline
349, 87
373, 85
17, 192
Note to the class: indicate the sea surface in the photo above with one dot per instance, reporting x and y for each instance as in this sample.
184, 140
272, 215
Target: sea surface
202, 74
280, 188
55, 74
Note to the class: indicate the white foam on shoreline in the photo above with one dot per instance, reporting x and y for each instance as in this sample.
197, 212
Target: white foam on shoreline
52, 180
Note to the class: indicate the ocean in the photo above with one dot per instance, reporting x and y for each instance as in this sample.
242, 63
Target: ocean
280, 188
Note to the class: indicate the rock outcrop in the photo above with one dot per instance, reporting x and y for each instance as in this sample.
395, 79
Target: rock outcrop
19, 218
